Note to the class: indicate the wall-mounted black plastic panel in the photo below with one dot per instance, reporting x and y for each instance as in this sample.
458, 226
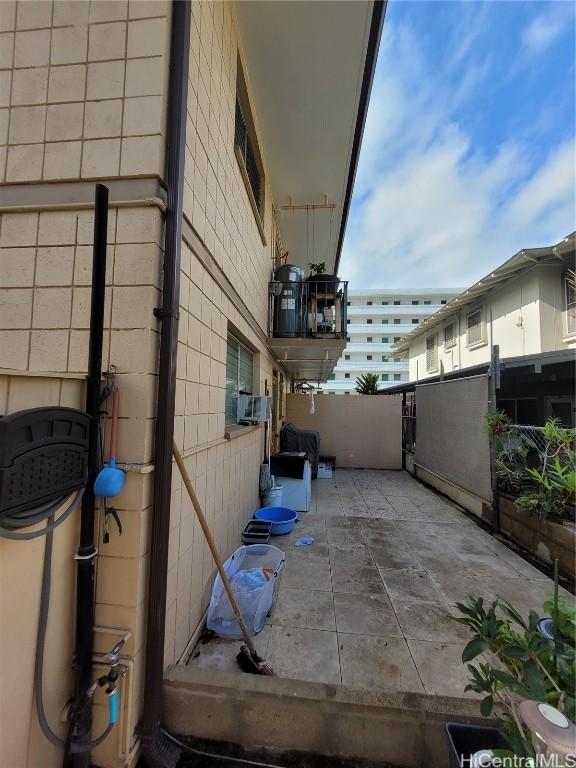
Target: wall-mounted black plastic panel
43, 455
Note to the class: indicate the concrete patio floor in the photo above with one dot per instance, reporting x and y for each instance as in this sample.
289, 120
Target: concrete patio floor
366, 605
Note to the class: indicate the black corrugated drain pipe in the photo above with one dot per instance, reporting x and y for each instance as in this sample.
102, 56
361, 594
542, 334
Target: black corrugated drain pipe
157, 750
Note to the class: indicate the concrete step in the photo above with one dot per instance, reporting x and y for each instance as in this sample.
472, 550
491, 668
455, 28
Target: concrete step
390, 728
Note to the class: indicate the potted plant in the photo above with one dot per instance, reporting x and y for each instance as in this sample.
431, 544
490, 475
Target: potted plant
496, 421
521, 662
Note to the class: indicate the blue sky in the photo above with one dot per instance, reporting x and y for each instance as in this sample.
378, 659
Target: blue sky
468, 152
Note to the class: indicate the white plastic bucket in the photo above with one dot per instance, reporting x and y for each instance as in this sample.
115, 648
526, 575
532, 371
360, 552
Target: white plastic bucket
274, 497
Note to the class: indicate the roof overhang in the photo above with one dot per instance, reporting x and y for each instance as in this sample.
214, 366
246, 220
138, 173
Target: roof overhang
309, 73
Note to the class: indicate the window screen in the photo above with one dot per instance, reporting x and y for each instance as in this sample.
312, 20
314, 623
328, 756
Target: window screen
239, 372
384, 377
244, 143
474, 327
450, 335
384, 339
384, 322
431, 354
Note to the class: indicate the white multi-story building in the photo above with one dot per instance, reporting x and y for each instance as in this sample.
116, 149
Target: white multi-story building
377, 319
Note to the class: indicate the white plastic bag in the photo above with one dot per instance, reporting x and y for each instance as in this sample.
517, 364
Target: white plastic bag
252, 571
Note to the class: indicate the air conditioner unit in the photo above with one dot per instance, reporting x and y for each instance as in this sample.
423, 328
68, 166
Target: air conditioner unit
254, 408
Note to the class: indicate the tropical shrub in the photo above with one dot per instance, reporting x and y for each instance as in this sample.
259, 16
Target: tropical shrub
367, 384
520, 662
537, 466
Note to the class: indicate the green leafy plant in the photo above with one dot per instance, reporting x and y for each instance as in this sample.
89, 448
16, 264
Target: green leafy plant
563, 615
367, 384
520, 663
496, 421
317, 269
537, 467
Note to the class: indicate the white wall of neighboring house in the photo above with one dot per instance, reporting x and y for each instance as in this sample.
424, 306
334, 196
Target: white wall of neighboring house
376, 319
524, 316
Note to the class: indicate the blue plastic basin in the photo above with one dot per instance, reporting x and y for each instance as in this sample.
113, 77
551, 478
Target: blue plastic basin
282, 519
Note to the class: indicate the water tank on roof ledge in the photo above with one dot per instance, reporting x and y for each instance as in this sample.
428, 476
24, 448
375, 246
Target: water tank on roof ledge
288, 311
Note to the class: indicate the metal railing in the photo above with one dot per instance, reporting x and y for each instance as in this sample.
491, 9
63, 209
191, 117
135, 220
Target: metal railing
309, 309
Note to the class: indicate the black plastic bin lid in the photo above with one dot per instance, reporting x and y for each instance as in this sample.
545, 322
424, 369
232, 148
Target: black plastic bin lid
43, 455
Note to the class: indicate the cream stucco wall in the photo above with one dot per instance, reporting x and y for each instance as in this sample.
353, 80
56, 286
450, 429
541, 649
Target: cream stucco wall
527, 318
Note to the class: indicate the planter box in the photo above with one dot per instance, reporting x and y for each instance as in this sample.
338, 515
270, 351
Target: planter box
465, 740
545, 539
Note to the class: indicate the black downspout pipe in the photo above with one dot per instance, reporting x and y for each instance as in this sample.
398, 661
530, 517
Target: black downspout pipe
86, 556
158, 752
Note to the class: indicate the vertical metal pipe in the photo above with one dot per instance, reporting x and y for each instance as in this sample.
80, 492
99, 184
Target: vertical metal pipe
156, 750
86, 555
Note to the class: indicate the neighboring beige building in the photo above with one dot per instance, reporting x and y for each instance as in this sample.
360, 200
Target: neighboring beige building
84, 96
526, 306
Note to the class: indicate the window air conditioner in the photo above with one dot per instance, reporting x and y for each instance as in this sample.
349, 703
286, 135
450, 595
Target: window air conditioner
253, 409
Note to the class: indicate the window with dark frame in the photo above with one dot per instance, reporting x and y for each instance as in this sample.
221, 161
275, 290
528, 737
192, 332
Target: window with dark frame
368, 339
368, 357
397, 321
369, 321
369, 303
239, 376
246, 145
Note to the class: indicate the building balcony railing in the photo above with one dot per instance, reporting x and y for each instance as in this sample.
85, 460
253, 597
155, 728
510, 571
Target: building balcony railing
371, 366
393, 310
349, 385
308, 310
380, 329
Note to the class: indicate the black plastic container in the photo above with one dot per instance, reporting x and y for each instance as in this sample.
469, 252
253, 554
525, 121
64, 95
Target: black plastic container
465, 740
257, 532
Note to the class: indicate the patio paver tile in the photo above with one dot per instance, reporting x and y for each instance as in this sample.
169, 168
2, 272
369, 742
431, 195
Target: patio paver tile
356, 579
366, 614
440, 667
377, 663
304, 654
411, 585
314, 574
422, 620
304, 608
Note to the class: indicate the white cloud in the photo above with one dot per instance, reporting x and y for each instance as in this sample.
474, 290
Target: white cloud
542, 31
431, 210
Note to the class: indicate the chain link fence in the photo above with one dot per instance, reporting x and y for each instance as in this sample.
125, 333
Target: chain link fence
520, 447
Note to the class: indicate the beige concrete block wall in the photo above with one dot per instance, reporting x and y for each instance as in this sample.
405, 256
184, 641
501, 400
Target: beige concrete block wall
82, 88
45, 267
82, 97
224, 471
365, 433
